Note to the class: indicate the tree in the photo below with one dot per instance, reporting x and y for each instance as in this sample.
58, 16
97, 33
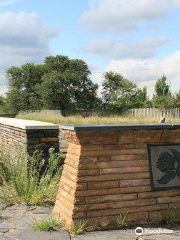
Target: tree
22, 94
163, 97
120, 94
67, 85
59, 83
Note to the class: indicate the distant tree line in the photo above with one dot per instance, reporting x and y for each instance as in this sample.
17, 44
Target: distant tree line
65, 84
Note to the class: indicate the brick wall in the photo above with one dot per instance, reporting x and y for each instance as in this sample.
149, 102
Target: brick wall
106, 174
29, 135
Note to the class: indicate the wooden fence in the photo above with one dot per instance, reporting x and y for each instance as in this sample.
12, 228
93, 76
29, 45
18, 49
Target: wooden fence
155, 113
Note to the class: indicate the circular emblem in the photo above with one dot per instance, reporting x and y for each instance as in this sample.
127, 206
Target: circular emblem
139, 231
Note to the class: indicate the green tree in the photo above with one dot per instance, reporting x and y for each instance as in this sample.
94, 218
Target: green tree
67, 85
59, 83
163, 97
177, 100
119, 94
22, 94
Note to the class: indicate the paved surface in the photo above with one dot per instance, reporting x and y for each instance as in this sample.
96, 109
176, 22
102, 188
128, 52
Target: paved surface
128, 235
16, 223
17, 220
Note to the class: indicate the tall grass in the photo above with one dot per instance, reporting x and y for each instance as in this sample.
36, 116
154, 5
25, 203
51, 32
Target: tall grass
29, 179
79, 120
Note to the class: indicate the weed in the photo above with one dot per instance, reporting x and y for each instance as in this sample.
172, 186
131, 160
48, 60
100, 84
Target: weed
78, 227
48, 225
172, 216
122, 220
25, 179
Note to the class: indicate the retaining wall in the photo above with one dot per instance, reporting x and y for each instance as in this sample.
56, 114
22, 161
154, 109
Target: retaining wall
107, 173
29, 135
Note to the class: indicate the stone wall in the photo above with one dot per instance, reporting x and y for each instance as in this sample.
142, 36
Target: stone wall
29, 135
106, 174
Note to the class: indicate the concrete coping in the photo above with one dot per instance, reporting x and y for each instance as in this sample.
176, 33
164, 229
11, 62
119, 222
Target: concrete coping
27, 124
119, 127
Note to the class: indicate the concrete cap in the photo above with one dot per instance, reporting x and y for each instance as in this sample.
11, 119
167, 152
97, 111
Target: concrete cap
119, 127
27, 124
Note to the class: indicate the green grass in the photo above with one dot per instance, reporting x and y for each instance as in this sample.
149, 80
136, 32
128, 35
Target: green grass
30, 183
48, 225
78, 227
122, 221
172, 217
79, 120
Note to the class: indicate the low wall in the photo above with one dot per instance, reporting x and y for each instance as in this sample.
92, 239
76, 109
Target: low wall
107, 172
29, 135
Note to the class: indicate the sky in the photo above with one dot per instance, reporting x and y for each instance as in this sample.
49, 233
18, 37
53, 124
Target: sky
138, 38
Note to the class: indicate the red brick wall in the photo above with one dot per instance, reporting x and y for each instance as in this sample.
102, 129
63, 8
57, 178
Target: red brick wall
106, 174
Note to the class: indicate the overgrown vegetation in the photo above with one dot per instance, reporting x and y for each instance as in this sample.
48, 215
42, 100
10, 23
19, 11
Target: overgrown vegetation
78, 120
29, 179
48, 225
172, 217
122, 220
78, 227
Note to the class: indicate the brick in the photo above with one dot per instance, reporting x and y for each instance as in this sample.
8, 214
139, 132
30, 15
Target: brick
17, 133
168, 199
124, 170
129, 157
159, 194
102, 185
113, 152
112, 191
91, 147
111, 198
88, 172
54, 139
139, 136
115, 205
133, 183
125, 146
156, 215
117, 164
125, 210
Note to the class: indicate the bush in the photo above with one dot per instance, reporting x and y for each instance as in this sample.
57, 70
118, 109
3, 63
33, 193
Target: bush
29, 179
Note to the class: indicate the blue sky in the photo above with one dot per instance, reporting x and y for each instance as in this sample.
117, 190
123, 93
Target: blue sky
139, 39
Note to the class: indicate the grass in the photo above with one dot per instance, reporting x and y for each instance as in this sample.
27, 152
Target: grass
25, 179
48, 225
172, 217
78, 227
79, 120
122, 221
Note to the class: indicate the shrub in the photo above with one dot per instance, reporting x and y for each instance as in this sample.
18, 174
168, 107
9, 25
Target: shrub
29, 179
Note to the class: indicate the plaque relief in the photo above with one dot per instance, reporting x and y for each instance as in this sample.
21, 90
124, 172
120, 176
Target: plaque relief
164, 164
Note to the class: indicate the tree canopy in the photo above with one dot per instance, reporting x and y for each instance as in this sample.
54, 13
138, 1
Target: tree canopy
65, 84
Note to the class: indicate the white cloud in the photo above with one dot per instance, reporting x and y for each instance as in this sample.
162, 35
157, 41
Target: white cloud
124, 15
141, 49
23, 38
176, 3
146, 72
8, 2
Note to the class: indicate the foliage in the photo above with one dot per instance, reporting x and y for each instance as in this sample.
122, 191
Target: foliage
78, 227
59, 83
48, 225
163, 97
172, 216
28, 179
122, 221
22, 93
120, 94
